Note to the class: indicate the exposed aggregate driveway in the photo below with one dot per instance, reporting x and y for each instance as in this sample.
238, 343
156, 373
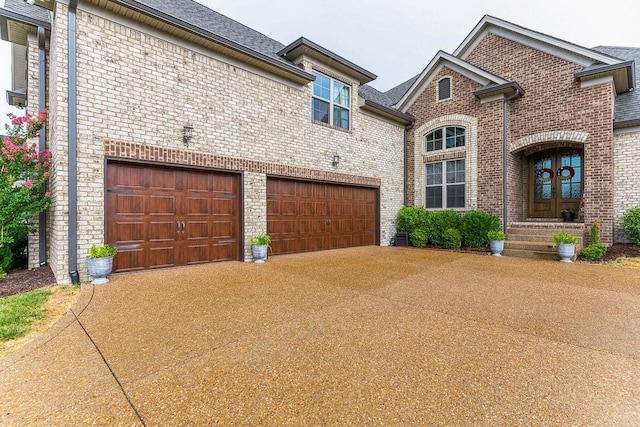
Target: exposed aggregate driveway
362, 336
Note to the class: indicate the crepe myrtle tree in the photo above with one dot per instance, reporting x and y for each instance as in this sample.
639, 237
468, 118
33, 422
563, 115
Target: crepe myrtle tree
24, 172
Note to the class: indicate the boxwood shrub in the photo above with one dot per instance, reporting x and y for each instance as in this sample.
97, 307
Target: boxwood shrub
410, 218
452, 238
439, 221
419, 237
475, 226
631, 224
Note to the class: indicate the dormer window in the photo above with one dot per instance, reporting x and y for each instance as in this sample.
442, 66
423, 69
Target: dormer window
444, 89
331, 101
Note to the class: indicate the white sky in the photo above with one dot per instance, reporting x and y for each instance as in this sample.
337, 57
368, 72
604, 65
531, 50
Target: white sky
396, 39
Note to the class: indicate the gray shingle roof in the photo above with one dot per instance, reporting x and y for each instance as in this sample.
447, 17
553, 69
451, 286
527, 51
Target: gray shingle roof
396, 93
627, 104
373, 94
25, 9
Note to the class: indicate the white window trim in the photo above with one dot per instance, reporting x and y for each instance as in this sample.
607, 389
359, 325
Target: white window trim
445, 185
444, 139
331, 102
470, 155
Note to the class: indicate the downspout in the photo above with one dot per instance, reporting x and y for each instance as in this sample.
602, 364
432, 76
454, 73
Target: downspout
406, 161
505, 117
42, 140
72, 145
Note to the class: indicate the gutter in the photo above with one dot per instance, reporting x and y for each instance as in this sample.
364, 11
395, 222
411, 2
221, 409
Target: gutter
406, 165
42, 139
72, 105
193, 29
505, 117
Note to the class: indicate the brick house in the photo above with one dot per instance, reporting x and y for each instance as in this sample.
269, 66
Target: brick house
178, 133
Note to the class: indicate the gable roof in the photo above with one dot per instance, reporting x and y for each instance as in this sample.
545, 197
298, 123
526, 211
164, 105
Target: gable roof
440, 60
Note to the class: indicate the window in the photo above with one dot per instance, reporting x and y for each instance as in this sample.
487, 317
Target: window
445, 184
452, 137
331, 101
444, 89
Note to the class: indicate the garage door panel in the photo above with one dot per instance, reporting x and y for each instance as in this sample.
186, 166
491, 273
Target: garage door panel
162, 205
173, 216
162, 231
309, 216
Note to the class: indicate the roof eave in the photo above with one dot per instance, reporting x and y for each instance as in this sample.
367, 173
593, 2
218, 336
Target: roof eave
303, 46
507, 89
623, 83
626, 123
7, 15
16, 99
390, 113
294, 72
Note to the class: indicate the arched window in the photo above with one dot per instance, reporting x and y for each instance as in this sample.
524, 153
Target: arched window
444, 138
444, 89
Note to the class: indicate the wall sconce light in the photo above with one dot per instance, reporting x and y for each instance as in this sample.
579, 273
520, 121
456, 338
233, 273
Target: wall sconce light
187, 134
335, 160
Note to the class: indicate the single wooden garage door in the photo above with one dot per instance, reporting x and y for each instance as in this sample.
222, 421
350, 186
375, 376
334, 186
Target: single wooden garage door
165, 217
307, 216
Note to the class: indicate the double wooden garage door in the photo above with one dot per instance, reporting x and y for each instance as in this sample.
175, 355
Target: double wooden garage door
309, 216
164, 217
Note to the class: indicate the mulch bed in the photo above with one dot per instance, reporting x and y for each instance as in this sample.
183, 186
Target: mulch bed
23, 280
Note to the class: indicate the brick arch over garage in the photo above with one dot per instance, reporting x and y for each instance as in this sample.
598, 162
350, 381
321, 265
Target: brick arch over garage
555, 138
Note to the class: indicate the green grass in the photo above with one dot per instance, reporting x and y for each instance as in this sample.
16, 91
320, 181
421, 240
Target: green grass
18, 312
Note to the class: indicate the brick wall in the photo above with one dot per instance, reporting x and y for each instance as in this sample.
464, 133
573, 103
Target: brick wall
554, 105
555, 101
626, 152
137, 88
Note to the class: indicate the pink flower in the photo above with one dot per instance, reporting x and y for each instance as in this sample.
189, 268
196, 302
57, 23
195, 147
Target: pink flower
47, 164
28, 184
46, 174
47, 194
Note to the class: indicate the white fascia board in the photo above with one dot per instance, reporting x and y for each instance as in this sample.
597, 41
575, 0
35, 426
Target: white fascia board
551, 45
439, 61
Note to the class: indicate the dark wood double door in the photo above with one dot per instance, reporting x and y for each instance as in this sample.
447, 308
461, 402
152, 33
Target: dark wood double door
555, 182
304, 216
164, 217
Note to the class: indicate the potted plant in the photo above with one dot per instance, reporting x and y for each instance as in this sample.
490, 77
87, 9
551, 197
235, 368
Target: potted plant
566, 245
259, 247
496, 242
100, 262
568, 215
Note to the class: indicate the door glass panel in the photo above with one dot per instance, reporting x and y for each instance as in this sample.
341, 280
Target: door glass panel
570, 176
543, 178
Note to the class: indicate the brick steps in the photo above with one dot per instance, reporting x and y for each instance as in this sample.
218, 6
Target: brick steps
535, 239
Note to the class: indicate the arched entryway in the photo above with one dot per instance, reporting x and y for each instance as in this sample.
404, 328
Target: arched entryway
555, 182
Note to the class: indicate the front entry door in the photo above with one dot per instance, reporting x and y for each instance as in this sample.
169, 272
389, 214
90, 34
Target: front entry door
555, 183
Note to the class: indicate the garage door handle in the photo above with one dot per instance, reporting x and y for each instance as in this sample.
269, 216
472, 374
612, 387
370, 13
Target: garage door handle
182, 227
178, 224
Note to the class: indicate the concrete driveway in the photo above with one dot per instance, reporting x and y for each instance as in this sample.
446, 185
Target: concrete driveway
364, 336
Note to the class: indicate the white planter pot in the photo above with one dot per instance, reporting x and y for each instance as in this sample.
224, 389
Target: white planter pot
566, 251
259, 253
99, 268
497, 246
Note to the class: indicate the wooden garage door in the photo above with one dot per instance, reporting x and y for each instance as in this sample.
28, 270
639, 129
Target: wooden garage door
309, 216
165, 217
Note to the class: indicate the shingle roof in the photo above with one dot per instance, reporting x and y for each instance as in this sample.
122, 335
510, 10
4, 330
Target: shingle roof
627, 104
395, 94
373, 94
23, 8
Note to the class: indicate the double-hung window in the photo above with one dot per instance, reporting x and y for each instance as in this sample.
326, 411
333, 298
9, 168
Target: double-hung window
445, 184
331, 101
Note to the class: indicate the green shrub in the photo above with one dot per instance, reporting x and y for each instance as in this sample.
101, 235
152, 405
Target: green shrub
260, 240
595, 231
452, 238
475, 226
495, 235
594, 251
102, 251
439, 221
564, 238
410, 217
419, 237
631, 224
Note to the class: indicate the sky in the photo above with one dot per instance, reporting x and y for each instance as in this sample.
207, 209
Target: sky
396, 39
